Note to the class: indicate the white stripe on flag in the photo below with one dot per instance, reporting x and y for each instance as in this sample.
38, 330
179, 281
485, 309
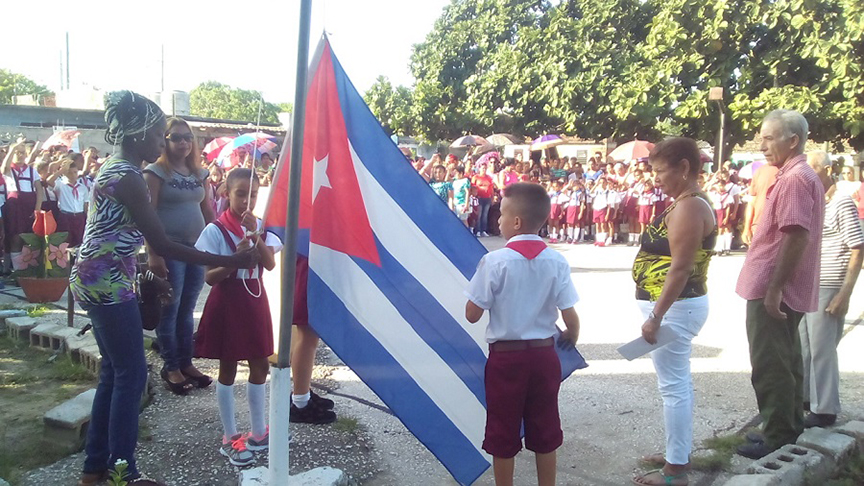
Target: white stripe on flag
407, 243
377, 315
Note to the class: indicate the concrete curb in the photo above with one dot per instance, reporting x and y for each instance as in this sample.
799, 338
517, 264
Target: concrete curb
321, 476
816, 456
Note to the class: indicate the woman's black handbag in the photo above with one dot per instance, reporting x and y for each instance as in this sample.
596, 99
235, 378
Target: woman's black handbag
153, 293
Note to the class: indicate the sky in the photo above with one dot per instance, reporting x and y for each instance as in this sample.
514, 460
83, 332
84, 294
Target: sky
118, 44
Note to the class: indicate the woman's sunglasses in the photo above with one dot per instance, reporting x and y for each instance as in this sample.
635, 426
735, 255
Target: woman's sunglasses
177, 137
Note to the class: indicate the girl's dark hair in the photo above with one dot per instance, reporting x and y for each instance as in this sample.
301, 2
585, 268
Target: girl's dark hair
127, 114
675, 150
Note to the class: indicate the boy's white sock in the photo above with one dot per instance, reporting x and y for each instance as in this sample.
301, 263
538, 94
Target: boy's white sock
719, 245
728, 241
14, 257
300, 401
601, 237
225, 399
255, 395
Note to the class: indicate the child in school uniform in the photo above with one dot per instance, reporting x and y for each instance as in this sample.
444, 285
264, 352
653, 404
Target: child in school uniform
23, 198
647, 200
554, 222
235, 324
573, 216
564, 197
523, 286
72, 195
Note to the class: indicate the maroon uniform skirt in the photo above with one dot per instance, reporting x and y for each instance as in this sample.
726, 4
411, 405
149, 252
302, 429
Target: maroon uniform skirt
631, 208
18, 214
645, 214
235, 326
72, 223
600, 216
721, 215
555, 213
573, 216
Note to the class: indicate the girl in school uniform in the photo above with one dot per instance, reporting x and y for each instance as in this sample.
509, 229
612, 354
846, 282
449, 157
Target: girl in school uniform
604, 206
555, 213
722, 200
574, 216
23, 199
564, 198
646, 203
235, 324
588, 214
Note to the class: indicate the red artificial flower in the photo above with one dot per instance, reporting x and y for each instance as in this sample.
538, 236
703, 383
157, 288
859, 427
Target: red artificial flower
44, 224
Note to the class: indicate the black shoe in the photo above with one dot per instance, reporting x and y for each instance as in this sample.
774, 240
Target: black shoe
754, 451
755, 437
819, 420
320, 402
806, 406
311, 414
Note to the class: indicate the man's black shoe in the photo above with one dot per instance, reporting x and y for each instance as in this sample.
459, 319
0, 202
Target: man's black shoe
754, 451
755, 437
320, 401
819, 420
311, 414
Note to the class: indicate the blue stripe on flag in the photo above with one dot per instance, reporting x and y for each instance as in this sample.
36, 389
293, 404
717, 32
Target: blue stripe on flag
388, 165
429, 319
385, 376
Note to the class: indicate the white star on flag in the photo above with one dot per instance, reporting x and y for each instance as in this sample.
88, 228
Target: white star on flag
319, 176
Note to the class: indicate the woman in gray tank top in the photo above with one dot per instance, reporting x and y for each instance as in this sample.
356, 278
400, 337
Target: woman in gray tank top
177, 191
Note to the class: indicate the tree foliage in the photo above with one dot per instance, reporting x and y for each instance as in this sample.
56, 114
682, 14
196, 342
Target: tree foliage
216, 100
13, 84
391, 105
625, 68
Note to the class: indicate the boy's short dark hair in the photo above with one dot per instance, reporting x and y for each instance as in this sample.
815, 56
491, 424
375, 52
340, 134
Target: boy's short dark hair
460, 169
530, 202
240, 174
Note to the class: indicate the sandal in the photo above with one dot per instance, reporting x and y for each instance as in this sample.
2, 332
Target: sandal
200, 381
181, 388
667, 480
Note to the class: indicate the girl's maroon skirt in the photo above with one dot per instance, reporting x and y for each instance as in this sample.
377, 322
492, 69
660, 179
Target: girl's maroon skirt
18, 214
645, 214
235, 326
573, 215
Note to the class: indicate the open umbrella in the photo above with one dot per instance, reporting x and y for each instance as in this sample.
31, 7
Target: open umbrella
748, 170
484, 149
212, 149
255, 143
502, 139
469, 141
64, 138
637, 149
546, 142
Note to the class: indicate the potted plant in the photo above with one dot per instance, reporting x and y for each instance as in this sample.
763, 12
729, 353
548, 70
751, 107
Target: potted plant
44, 261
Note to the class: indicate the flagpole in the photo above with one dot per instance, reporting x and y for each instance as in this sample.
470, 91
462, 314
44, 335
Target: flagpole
280, 390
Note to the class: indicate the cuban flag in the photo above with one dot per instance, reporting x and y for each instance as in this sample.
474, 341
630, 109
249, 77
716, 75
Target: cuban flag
388, 262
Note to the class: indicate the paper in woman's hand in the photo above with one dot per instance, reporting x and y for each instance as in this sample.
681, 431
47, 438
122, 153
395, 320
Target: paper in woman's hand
640, 347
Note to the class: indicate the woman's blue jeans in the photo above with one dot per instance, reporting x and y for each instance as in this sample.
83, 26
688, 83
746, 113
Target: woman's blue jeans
113, 431
177, 324
483, 217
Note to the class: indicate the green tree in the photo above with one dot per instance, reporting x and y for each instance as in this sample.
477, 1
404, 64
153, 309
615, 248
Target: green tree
391, 105
13, 84
216, 100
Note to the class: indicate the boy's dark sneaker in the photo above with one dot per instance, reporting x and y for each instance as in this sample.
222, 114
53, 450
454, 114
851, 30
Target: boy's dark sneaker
819, 420
320, 401
754, 450
311, 414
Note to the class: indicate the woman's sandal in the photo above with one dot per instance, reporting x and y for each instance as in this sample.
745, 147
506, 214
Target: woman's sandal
181, 388
200, 381
667, 480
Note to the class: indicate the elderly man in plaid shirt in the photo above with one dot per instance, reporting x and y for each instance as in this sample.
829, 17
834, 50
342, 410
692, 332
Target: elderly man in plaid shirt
780, 280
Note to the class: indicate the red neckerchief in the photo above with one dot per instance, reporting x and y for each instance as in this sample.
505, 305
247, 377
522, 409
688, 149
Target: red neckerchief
232, 223
527, 248
75, 188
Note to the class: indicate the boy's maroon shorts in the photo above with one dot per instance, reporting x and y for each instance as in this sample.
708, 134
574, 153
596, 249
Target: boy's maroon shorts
522, 385
301, 279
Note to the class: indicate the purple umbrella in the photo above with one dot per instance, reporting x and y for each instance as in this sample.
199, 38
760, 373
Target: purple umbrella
546, 142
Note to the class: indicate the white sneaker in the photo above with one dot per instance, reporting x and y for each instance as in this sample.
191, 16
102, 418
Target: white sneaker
236, 452
484, 234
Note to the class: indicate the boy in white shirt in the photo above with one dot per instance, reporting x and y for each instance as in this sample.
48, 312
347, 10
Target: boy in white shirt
72, 195
523, 286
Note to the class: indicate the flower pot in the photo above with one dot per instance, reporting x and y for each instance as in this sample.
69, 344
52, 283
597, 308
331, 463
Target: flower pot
43, 289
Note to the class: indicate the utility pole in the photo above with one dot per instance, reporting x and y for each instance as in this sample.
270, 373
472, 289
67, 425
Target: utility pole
67, 60
61, 69
716, 94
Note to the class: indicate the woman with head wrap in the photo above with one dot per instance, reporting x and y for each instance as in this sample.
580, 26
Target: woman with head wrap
102, 281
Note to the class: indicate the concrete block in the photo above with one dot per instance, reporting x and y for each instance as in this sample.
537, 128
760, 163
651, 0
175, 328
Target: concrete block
837, 447
75, 343
6, 314
753, 480
782, 465
19, 327
91, 358
854, 429
40, 336
66, 424
3, 482
59, 338
321, 476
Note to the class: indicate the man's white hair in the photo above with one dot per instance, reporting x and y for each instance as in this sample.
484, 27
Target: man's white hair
793, 123
819, 157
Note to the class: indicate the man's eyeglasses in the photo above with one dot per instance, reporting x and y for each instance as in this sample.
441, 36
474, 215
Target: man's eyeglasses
177, 137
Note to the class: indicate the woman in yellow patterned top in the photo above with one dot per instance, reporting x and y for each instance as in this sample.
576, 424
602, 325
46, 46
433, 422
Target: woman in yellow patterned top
670, 272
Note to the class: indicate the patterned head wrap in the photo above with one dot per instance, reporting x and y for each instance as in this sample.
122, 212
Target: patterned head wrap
127, 114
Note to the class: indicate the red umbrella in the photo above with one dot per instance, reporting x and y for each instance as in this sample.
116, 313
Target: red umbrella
637, 149
213, 147
63, 138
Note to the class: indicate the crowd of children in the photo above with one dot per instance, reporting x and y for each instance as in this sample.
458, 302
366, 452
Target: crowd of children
596, 202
